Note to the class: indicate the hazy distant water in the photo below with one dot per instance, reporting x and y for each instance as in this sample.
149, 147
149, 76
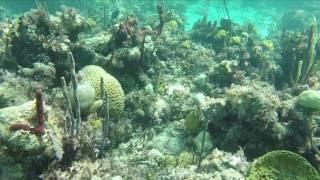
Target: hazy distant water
20, 6
263, 13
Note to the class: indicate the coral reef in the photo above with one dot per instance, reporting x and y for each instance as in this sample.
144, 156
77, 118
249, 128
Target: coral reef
43, 73
39, 129
138, 158
282, 165
38, 37
299, 55
249, 109
25, 147
153, 100
73, 24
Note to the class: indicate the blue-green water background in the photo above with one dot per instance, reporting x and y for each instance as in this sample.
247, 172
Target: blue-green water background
265, 14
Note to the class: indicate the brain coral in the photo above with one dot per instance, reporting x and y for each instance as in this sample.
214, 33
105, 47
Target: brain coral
281, 164
93, 74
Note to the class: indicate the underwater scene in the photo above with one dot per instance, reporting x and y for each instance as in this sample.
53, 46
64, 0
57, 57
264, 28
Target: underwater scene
159, 90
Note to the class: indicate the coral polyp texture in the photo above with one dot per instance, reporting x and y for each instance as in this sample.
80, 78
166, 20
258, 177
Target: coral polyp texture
282, 165
93, 74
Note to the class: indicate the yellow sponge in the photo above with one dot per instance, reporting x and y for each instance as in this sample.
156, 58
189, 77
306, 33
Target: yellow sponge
93, 74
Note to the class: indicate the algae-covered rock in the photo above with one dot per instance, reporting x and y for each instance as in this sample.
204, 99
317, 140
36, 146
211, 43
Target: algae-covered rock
21, 141
14, 114
309, 99
174, 140
12, 90
93, 75
282, 164
24, 154
9, 169
185, 159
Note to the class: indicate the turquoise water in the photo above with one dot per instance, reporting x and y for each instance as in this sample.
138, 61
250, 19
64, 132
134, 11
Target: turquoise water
264, 14
161, 89
263, 17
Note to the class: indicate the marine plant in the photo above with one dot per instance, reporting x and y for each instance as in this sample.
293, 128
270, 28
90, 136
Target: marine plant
72, 124
203, 144
204, 30
193, 122
229, 27
106, 116
97, 89
300, 58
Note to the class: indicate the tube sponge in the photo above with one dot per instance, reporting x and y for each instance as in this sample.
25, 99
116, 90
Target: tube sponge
93, 74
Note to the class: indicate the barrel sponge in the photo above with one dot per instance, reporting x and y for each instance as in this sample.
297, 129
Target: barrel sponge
93, 74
